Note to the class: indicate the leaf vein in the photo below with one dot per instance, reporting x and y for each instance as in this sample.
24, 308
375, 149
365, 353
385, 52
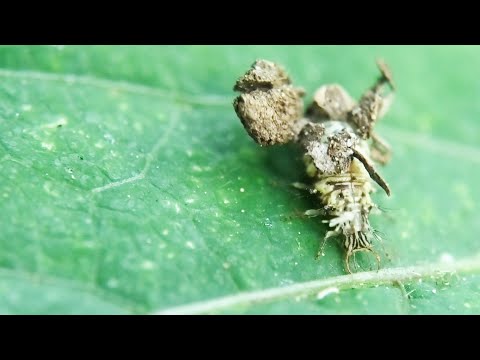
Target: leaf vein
149, 158
134, 88
358, 280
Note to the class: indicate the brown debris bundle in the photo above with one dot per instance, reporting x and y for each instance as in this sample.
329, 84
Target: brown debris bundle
338, 141
330, 102
271, 110
372, 104
310, 132
365, 114
268, 106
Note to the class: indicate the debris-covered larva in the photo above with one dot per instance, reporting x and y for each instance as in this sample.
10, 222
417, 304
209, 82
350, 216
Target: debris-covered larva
337, 137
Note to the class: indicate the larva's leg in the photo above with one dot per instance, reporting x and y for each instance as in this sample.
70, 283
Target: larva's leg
315, 212
381, 151
377, 257
329, 234
302, 186
347, 261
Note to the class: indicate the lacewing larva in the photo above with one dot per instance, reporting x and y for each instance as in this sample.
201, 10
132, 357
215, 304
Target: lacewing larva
337, 137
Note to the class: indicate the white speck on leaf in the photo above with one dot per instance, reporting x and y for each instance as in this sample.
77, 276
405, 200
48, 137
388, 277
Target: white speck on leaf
61, 121
112, 283
26, 107
190, 245
48, 146
165, 232
225, 201
47, 186
89, 244
148, 265
242, 190
446, 258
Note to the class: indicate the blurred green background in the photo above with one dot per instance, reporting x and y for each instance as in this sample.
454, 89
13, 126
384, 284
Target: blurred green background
128, 184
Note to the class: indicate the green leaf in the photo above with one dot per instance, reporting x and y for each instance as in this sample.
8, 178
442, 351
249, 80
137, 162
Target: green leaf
128, 184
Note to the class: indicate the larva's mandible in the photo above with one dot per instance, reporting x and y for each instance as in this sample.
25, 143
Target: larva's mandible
337, 137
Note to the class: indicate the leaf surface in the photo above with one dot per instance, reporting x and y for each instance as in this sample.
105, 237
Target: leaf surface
128, 184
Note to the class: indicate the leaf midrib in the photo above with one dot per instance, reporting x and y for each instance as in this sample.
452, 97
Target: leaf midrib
336, 283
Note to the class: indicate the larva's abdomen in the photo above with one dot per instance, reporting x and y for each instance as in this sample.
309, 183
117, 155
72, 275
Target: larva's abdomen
346, 198
347, 202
